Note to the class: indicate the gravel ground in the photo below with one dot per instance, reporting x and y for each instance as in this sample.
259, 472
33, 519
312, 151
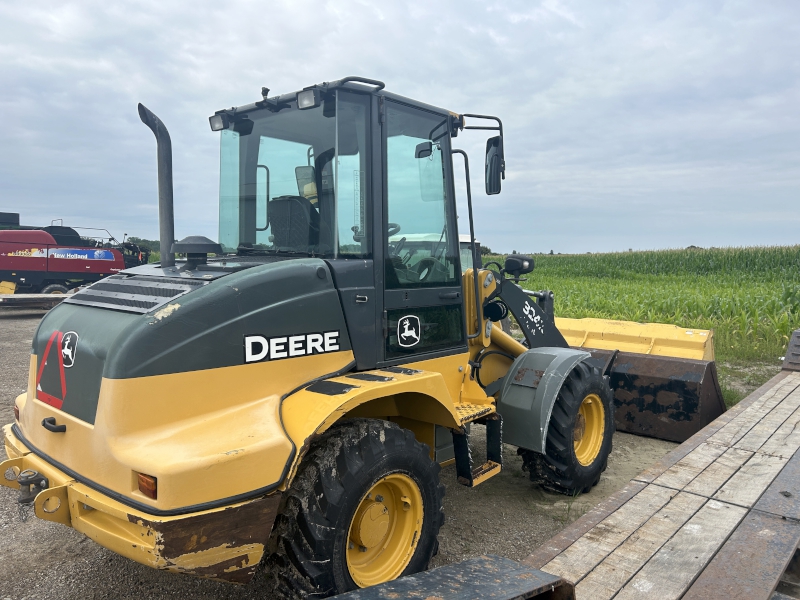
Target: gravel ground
507, 515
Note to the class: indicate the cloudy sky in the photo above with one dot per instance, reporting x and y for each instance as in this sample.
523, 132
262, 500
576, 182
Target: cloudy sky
635, 124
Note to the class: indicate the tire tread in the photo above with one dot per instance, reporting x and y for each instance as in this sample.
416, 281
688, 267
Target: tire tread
303, 536
558, 470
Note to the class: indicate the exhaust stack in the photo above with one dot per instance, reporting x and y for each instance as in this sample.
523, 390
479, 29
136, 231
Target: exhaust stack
166, 213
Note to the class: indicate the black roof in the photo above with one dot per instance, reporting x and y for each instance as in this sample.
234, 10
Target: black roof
356, 84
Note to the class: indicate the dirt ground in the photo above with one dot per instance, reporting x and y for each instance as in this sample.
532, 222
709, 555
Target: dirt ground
508, 515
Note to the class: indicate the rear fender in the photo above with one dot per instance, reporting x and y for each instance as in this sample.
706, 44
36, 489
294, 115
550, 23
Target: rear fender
422, 396
529, 391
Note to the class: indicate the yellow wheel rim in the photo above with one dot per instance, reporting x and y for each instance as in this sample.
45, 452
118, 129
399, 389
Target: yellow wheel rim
385, 530
590, 426
56, 292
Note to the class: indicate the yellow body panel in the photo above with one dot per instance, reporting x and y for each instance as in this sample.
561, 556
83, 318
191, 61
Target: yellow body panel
421, 396
199, 449
7, 287
209, 543
642, 338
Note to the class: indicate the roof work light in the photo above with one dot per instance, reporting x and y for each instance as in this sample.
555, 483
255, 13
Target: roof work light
308, 99
218, 122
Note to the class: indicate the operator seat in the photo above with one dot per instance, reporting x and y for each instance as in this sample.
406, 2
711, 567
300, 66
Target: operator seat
294, 222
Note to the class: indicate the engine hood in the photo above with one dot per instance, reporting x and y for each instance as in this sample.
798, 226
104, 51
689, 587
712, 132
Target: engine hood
140, 325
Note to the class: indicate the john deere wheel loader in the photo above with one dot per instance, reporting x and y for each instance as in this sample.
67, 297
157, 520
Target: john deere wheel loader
288, 401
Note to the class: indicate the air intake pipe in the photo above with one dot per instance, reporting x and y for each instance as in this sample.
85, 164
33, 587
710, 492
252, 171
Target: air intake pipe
166, 214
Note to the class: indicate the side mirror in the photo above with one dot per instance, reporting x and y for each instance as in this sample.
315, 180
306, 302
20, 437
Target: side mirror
431, 176
423, 150
495, 165
518, 265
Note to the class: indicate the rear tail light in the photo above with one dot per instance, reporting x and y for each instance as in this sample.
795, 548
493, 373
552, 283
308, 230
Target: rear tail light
16, 412
148, 485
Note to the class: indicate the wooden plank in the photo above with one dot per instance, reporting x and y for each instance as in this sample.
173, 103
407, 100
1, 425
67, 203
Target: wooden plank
771, 422
650, 474
623, 563
675, 566
587, 551
717, 473
750, 564
556, 545
782, 497
745, 487
690, 466
786, 439
738, 427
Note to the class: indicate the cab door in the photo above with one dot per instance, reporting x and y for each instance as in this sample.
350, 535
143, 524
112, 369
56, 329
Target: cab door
423, 305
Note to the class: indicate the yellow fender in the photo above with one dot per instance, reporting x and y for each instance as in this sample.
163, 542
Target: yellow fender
405, 393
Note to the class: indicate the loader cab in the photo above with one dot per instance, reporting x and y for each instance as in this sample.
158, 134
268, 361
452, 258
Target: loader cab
362, 179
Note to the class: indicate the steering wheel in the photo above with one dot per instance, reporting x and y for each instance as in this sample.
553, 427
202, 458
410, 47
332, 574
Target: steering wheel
425, 268
395, 251
393, 229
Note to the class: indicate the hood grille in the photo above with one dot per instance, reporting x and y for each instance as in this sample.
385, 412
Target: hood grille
133, 294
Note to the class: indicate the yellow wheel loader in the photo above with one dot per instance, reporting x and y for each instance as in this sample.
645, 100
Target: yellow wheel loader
286, 396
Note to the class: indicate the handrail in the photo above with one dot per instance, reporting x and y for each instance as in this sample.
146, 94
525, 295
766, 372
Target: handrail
378, 84
475, 268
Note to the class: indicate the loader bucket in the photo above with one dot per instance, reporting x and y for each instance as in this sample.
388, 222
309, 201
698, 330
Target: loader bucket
664, 378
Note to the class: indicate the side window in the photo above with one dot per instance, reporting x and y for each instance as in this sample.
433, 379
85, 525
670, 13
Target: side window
352, 112
466, 256
229, 191
420, 252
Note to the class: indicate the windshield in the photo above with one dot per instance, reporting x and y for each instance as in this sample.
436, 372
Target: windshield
294, 181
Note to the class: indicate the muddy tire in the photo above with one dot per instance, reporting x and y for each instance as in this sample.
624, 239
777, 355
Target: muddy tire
54, 288
579, 435
365, 507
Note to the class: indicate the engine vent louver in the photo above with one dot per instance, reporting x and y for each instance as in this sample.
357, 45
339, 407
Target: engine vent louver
133, 294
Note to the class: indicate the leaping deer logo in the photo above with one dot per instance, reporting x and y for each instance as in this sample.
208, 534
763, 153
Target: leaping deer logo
69, 344
408, 331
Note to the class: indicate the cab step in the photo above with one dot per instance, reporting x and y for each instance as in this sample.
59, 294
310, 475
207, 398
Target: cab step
465, 472
472, 412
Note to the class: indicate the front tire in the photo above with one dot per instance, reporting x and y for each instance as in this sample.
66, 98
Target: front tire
579, 435
364, 508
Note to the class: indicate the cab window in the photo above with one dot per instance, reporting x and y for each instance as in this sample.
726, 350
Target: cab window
419, 250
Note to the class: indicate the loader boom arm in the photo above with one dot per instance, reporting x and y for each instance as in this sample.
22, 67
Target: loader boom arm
537, 326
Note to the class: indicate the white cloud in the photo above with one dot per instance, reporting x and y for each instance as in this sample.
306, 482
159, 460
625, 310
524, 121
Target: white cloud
625, 122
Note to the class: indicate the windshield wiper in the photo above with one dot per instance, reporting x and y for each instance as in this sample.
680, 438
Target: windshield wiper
278, 252
289, 253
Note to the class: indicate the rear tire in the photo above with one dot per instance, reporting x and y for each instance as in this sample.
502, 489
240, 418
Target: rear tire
55, 288
364, 484
579, 435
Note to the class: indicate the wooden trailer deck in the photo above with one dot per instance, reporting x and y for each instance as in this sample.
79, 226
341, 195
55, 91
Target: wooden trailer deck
719, 517
45, 301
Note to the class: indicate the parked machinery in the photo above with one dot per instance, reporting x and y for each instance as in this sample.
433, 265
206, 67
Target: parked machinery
276, 396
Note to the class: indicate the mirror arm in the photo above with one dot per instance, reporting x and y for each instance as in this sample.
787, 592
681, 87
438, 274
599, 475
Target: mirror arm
498, 128
499, 123
475, 268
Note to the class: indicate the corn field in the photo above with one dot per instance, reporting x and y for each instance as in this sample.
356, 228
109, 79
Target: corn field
749, 296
